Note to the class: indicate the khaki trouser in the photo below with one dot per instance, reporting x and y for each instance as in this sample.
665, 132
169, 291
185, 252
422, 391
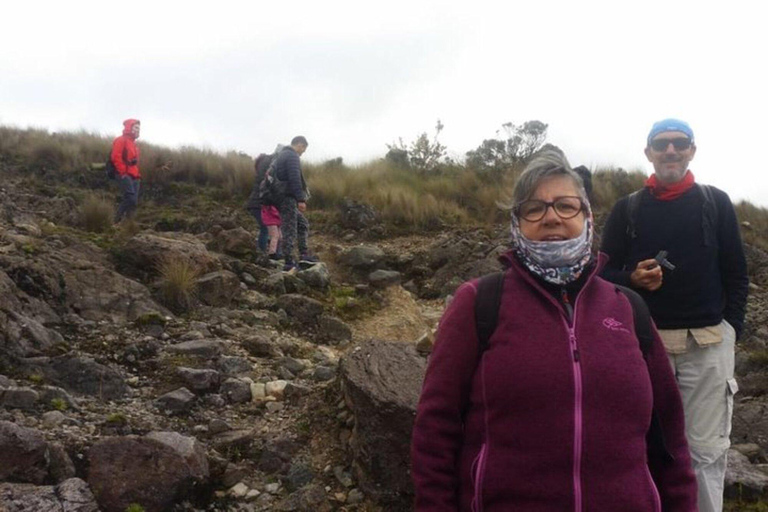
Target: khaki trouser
704, 373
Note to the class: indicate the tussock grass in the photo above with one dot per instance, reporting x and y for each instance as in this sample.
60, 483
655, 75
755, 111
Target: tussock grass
410, 201
69, 157
96, 213
178, 283
406, 199
756, 232
610, 185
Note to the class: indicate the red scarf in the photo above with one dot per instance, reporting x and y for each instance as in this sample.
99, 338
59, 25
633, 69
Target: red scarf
672, 191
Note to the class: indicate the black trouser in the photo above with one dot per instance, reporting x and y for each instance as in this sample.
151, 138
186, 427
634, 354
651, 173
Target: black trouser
294, 225
129, 187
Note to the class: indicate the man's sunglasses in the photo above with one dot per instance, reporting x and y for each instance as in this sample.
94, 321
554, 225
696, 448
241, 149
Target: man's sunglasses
680, 144
533, 210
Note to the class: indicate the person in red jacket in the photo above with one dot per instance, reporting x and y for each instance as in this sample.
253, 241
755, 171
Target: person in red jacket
555, 414
125, 157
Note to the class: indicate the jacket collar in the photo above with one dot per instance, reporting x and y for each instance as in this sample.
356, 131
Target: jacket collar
509, 262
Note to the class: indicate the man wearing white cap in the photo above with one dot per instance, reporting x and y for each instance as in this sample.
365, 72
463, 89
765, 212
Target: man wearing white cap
678, 244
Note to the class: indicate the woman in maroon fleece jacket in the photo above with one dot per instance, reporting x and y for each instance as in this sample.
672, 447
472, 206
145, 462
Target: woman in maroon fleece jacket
553, 416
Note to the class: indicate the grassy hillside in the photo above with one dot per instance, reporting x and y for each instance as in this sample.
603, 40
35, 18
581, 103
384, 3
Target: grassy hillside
407, 201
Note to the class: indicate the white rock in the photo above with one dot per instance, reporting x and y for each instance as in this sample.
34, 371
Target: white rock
276, 388
239, 490
258, 391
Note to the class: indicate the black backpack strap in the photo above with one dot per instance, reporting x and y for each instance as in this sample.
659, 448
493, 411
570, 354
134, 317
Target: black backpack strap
487, 303
708, 216
654, 438
633, 205
642, 319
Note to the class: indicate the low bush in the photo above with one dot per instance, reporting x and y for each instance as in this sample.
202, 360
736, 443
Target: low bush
96, 213
178, 283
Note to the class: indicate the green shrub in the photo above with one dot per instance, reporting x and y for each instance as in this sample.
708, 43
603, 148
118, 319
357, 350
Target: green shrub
117, 419
59, 404
96, 214
178, 283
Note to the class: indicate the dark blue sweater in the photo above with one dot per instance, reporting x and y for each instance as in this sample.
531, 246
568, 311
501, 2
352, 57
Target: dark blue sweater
708, 283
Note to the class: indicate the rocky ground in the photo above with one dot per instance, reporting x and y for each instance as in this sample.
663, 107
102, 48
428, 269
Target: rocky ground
267, 393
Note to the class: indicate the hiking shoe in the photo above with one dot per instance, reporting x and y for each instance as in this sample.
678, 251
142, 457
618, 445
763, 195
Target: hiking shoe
308, 258
275, 256
290, 267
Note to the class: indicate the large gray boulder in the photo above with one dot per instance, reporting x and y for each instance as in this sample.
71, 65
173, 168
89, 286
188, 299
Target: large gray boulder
316, 276
155, 473
363, 258
18, 398
75, 279
199, 380
81, 374
218, 288
750, 421
356, 215
144, 254
303, 309
743, 481
23, 317
189, 449
72, 495
23, 454
381, 381
235, 242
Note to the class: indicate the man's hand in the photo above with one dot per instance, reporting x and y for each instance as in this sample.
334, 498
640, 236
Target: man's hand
647, 275
302, 206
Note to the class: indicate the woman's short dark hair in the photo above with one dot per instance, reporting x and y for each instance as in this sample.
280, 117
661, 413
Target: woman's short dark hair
546, 164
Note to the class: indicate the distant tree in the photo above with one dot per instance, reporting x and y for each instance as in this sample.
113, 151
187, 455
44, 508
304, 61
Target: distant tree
423, 155
517, 146
397, 156
334, 163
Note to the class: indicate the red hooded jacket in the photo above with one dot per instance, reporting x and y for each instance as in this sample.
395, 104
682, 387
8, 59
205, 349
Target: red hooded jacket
125, 152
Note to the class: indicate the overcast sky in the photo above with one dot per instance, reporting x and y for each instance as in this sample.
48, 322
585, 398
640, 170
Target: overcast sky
355, 76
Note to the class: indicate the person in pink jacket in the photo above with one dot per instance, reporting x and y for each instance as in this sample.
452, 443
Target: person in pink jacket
125, 157
555, 414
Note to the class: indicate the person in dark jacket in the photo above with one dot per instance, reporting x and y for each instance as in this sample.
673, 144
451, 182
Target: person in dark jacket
699, 301
294, 202
553, 415
260, 165
125, 157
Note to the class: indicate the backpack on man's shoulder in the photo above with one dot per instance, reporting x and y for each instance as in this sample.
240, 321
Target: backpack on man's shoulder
110, 168
272, 190
261, 164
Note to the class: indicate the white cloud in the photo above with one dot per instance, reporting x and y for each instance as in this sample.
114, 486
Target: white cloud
353, 77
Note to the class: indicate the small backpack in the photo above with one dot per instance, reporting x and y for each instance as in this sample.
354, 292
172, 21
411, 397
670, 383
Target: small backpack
110, 168
272, 190
488, 301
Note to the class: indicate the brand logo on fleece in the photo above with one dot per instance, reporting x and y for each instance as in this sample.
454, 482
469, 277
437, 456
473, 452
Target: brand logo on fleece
614, 325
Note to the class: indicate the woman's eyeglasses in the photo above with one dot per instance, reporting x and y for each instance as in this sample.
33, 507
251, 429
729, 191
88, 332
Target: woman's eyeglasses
680, 144
533, 210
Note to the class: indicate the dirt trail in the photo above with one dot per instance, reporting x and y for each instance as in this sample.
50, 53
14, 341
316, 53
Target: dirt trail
403, 317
